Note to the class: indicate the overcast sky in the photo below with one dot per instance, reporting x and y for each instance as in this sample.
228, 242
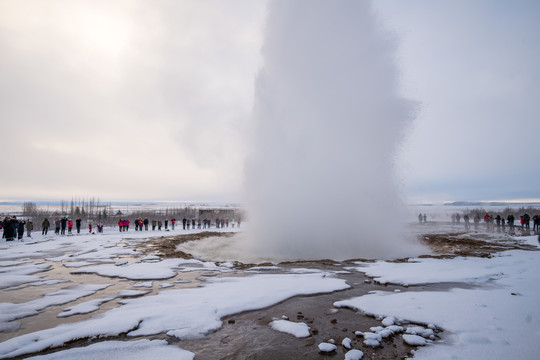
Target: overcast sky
151, 100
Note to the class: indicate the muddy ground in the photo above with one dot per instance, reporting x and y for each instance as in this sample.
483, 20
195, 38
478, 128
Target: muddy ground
248, 336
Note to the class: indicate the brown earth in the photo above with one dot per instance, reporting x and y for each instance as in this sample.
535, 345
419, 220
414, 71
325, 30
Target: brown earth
463, 244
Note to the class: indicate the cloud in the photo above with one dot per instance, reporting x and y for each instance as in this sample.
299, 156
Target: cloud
473, 66
126, 100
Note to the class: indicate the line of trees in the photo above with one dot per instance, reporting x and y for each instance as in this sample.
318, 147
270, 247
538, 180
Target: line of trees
83, 208
93, 209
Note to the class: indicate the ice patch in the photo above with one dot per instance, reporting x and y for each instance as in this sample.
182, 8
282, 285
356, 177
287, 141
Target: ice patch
354, 355
121, 350
327, 347
300, 330
414, 340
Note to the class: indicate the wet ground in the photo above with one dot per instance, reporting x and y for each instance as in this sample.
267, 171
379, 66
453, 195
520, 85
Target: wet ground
247, 335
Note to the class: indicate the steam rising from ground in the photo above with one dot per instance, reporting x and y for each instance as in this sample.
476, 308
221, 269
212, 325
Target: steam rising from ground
328, 118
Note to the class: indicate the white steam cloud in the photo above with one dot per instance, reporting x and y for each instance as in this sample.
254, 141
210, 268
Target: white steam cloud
328, 120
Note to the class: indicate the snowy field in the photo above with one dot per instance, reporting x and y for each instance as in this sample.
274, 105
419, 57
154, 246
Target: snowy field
102, 297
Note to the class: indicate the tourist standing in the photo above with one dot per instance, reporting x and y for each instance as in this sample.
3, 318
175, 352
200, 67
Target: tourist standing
29, 228
57, 226
63, 222
45, 226
70, 226
527, 221
78, 225
20, 229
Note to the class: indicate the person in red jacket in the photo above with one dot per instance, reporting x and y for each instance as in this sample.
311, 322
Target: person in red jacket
120, 225
70, 225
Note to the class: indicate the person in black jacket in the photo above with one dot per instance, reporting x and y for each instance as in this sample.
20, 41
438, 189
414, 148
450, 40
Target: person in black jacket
146, 222
78, 225
9, 228
20, 229
45, 226
64, 223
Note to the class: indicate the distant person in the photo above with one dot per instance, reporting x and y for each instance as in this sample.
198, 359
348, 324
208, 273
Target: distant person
527, 221
166, 224
78, 225
154, 224
173, 221
425, 220
458, 218
159, 224
20, 229
45, 226
498, 220
10, 228
536, 222
453, 217
521, 221
29, 228
146, 222
70, 226
63, 222
57, 226
466, 220
89, 221
184, 223
510, 221
120, 225
476, 221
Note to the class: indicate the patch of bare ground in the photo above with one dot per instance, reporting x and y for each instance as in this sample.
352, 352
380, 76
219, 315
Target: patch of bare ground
463, 244
166, 246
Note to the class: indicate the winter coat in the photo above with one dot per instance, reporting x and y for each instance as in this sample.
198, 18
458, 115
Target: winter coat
29, 226
45, 224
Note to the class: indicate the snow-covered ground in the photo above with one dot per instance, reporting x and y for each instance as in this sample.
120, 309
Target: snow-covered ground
489, 309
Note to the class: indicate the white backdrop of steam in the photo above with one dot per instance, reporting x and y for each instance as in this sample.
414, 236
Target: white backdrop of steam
320, 179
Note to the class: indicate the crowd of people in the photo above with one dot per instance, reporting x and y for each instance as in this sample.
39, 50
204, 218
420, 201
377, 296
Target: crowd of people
498, 221
159, 224
14, 228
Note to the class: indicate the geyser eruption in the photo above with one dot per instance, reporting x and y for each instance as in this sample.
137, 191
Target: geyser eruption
328, 120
